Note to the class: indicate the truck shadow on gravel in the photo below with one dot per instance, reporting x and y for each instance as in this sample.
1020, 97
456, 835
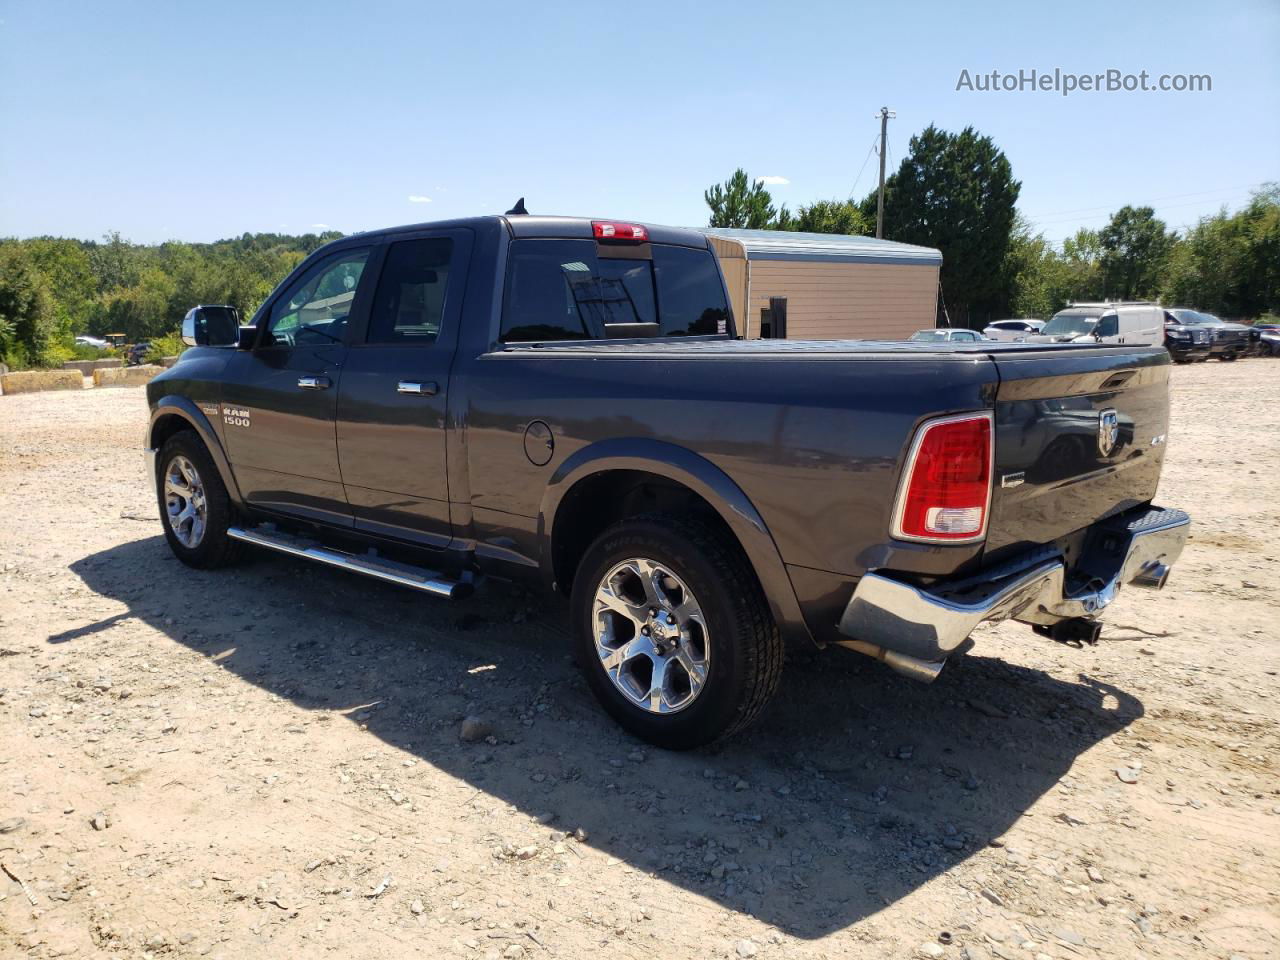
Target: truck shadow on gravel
853, 790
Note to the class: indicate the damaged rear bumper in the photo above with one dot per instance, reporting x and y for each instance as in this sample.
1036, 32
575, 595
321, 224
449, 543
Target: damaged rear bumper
914, 629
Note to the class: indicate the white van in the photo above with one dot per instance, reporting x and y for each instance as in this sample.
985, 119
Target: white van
1109, 322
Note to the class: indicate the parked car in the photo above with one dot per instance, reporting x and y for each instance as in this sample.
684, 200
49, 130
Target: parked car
136, 353
946, 335
1186, 336
1107, 322
1269, 339
1228, 341
84, 340
1012, 330
449, 406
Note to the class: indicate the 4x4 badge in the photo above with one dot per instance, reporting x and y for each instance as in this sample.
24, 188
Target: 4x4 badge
1108, 431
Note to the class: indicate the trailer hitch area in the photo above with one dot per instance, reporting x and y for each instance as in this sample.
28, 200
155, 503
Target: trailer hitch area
1076, 632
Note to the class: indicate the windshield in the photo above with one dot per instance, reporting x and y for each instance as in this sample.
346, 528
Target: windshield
929, 336
1189, 316
1068, 324
1209, 320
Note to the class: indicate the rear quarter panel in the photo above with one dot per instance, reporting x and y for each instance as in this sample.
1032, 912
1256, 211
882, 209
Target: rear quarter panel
815, 444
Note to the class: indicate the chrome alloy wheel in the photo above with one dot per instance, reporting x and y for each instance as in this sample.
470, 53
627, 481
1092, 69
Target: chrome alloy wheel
184, 502
651, 636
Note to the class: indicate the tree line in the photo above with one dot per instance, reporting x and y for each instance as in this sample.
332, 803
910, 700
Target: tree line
957, 192
53, 289
953, 191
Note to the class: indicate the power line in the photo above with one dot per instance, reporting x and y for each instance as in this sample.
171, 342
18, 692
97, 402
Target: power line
1107, 211
1154, 200
870, 150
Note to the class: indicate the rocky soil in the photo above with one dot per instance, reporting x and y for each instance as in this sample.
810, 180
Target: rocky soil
281, 760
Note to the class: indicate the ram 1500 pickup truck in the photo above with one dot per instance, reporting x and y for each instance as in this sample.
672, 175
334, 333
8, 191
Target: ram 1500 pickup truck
565, 400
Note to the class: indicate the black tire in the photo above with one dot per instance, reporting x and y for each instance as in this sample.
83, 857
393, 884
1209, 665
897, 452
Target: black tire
746, 651
1228, 357
215, 548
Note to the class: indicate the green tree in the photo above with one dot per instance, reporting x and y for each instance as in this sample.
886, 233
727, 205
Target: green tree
1082, 259
1135, 246
829, 216
1037, 274
27, 314
1230, 263
955, 192
741, 202
114, 262
69, 276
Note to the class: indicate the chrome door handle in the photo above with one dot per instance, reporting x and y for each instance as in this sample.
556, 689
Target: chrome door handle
418, 388
314, 383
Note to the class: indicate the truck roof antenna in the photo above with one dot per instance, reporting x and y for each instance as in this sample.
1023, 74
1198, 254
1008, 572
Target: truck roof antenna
518, 209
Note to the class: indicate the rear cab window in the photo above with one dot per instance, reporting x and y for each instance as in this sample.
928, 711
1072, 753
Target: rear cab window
560, 289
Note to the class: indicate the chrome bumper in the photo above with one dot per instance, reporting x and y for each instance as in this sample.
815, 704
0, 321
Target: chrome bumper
914, 630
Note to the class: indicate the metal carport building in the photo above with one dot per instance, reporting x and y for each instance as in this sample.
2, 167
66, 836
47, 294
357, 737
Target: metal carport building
834, 286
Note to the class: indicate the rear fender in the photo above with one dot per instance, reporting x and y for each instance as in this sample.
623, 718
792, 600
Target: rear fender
702, 477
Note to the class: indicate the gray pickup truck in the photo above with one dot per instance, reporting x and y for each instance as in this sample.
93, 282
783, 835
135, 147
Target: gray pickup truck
453, 404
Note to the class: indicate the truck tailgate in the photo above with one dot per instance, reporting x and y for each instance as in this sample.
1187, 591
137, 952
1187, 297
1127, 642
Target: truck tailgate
1079, 436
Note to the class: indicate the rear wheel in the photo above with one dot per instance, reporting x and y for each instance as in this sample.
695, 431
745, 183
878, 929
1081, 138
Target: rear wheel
194, 506
674, 631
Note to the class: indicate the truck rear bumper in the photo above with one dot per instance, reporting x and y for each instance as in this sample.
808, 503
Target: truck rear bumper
914, 629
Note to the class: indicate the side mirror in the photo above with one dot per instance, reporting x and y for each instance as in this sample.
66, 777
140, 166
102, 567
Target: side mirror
211, 327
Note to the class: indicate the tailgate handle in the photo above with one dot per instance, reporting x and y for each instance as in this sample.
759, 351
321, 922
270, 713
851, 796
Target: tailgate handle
1117, 380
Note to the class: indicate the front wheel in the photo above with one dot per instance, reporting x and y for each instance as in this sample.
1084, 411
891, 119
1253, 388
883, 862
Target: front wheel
194, 505
674, 631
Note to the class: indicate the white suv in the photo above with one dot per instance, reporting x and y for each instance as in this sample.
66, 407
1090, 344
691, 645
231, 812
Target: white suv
1012, 329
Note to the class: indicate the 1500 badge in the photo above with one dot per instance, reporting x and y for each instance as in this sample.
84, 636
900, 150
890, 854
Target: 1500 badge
236, 416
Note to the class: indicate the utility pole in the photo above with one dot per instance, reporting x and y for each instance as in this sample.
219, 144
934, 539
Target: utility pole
884, 115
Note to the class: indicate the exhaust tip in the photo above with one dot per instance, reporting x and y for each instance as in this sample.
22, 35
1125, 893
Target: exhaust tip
1153, 578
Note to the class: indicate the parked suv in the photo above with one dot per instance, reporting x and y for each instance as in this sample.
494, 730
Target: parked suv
453, 405
1012, 329
1186, 335
1227, 341
946, 335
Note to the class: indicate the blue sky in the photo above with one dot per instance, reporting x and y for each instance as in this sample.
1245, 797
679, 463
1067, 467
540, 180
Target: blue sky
201, 121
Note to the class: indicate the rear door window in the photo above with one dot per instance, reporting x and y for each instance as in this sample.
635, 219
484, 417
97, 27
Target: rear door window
409, 303
563, 290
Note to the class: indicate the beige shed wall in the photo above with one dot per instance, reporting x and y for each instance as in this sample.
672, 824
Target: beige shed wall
843, 300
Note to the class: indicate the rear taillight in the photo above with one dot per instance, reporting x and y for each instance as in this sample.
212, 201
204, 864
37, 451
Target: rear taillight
612, 230
945, 494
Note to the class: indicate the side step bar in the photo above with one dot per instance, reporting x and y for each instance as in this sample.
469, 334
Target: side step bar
369, 565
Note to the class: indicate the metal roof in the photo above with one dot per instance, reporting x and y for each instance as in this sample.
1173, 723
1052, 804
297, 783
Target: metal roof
825, 247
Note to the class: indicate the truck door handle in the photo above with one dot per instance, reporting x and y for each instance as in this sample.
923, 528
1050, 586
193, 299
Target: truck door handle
418, 388
314, 383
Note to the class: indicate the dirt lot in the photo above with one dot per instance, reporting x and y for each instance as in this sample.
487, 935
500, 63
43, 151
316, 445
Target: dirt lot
265, 762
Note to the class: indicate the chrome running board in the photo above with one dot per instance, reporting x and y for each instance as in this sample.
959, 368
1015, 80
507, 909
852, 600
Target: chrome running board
369, 565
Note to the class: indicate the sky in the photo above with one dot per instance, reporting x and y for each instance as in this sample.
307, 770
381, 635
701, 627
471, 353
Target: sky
203, 121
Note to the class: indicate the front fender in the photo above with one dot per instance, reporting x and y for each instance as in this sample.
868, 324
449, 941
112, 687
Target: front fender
179, 406
704, 478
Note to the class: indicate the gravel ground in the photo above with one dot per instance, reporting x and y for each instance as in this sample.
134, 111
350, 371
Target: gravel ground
267, 761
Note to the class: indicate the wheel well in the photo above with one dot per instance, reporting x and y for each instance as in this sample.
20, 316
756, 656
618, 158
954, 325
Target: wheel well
597, 502
167, 426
